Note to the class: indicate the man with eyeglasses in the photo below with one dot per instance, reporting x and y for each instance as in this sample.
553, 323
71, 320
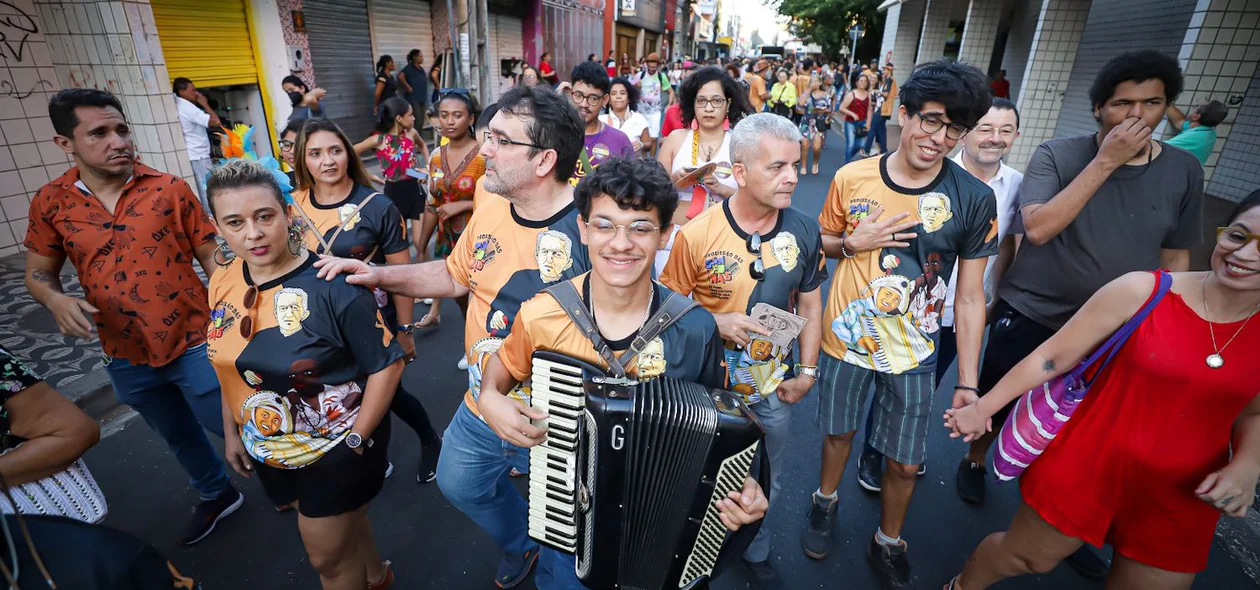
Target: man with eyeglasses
623, 205
899, 224
590, 95
534, 141
1092, 208
770, 253
981, 155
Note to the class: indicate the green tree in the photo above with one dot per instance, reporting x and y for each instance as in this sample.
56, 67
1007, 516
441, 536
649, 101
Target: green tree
827, 22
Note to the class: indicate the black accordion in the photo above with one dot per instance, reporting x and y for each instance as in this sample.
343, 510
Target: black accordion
629, 475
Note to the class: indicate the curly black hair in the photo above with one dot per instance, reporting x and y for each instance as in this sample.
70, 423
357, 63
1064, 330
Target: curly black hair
632, 92
639, 184
962, 88
1136, 66
737, 106
593, 74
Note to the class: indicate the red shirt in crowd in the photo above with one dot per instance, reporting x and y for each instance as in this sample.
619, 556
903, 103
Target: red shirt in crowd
1001, 88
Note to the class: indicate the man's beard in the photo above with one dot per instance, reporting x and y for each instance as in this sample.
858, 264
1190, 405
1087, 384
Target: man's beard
124, 172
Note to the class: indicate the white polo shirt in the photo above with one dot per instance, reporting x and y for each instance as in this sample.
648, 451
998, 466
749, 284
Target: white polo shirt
1005, 187
194, 121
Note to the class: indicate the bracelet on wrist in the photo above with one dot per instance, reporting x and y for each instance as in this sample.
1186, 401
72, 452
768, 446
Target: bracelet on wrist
844, 248
966, 388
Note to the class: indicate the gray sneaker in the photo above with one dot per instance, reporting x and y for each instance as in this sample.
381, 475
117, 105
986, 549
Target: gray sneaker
817, 538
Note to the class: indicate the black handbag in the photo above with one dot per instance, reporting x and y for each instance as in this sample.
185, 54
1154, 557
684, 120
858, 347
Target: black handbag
860, 131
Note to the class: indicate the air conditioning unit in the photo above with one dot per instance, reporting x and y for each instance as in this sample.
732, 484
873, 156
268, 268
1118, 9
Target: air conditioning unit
297, 58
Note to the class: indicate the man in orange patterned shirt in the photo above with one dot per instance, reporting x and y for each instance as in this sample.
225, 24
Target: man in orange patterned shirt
132, 233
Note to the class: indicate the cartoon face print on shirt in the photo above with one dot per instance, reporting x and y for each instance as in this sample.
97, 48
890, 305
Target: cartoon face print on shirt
651, 360
291, 308
269, 413
554, 252
349, 216
882, 331
786, 250
934, 211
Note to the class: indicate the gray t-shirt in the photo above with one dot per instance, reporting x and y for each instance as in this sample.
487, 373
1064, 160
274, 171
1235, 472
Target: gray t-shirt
1137, 212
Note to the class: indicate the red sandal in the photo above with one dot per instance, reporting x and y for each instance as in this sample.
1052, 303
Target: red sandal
386, 581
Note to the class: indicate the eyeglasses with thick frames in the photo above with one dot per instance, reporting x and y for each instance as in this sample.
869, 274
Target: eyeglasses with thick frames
501, 142
586, 99
757, 270
285, 144
637, 230
931, 124
1234, 238
717, 103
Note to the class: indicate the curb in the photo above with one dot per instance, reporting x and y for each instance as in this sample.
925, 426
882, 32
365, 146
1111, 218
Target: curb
98, 401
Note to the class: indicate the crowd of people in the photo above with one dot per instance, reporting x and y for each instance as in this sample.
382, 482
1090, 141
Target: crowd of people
626, 186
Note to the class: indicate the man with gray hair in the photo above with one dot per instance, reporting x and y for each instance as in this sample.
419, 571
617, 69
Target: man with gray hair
755, 248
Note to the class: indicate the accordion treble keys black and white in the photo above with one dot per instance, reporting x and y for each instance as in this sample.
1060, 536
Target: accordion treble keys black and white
629, 476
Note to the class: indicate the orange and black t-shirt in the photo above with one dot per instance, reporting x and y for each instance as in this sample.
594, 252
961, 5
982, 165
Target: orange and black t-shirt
135, 264
689, 350
296, 383
711, 262
884, 309
504, 260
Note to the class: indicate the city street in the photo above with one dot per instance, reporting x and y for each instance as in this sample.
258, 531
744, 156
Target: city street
434, 546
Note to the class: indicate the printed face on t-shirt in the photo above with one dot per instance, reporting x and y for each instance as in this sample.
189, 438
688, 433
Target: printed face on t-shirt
934, 211
554, 254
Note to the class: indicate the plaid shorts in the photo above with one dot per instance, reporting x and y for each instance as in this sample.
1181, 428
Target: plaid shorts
903, 407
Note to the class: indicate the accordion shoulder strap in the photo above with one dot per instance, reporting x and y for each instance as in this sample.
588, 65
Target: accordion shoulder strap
670, 311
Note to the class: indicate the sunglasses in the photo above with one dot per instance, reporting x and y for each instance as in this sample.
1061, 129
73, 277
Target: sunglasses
457, 91
251, 303
758, 268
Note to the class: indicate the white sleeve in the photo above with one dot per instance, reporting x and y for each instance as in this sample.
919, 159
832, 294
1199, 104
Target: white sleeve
193, 114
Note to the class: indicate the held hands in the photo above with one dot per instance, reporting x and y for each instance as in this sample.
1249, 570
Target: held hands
1124, 142
510, 419
873, 234
234, 452
792, 390
361, 273
1232, 489
734, 327
71, 319
743, 507
968, 422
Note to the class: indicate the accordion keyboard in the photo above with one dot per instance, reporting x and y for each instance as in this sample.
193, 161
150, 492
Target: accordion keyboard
557, 390
704, 554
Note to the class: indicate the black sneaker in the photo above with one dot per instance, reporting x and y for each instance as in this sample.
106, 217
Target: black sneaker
764, 576
890, 563
513, 569
1087, 563
969, 482
208, 513
817, 538
428, 462
870, 471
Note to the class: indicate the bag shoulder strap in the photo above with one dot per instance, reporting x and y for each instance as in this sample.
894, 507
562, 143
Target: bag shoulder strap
1163, 281
342, 226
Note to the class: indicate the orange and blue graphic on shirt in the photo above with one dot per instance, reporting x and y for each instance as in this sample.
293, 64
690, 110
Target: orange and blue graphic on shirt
484, 250
722, 267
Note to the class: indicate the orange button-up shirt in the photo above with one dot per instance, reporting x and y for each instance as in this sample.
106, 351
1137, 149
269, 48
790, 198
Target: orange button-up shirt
135, 264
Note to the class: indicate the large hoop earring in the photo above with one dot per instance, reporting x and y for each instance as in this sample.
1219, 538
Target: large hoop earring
220, 250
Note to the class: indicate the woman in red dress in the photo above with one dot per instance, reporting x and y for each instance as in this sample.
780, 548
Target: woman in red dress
1144, 464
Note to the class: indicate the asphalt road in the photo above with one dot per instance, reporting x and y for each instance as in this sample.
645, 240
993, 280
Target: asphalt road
432, 545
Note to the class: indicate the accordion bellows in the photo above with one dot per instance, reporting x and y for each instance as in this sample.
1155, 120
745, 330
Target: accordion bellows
630, 472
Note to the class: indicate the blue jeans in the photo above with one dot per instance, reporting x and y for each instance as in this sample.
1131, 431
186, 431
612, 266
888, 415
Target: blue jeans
473, 475
879, 132
946, 352
177, 400
776, 418
852, 144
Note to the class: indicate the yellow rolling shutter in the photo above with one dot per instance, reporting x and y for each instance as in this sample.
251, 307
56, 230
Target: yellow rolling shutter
206, 41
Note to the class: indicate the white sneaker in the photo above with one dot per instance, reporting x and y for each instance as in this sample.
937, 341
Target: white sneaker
428, 301
389, 470
463, 363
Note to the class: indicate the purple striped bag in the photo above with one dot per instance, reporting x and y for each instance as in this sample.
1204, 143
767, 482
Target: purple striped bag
1040, 414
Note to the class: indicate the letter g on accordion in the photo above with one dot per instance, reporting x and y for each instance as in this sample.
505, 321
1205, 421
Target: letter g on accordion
629, 476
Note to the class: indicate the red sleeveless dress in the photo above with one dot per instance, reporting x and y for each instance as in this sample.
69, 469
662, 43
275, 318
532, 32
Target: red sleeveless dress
1156, 422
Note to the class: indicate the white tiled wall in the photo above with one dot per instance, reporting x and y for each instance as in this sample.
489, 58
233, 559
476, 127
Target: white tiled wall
50, 45
909, 25
980, 32
1019, 42
1219, 58
1046, 73
1236, 174
935, 30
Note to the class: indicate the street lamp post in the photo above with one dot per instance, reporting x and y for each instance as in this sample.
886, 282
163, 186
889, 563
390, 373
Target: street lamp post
855, 33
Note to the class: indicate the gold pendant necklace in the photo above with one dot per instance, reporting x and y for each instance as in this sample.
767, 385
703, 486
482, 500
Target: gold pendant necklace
1215, 360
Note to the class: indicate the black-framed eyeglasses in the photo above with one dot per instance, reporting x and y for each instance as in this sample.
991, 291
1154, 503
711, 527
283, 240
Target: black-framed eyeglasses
586, 99
499, 142
458, 91
285, 144
717, 103
756, 270
930, 124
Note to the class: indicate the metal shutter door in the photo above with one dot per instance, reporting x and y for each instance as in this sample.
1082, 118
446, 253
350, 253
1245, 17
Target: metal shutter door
207, 42
341, 55
400, 26
508, 45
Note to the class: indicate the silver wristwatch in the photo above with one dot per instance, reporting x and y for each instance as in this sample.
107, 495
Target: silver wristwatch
354, 441
808, 371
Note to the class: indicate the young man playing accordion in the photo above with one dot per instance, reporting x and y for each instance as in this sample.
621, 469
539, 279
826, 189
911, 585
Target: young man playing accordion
622, 206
